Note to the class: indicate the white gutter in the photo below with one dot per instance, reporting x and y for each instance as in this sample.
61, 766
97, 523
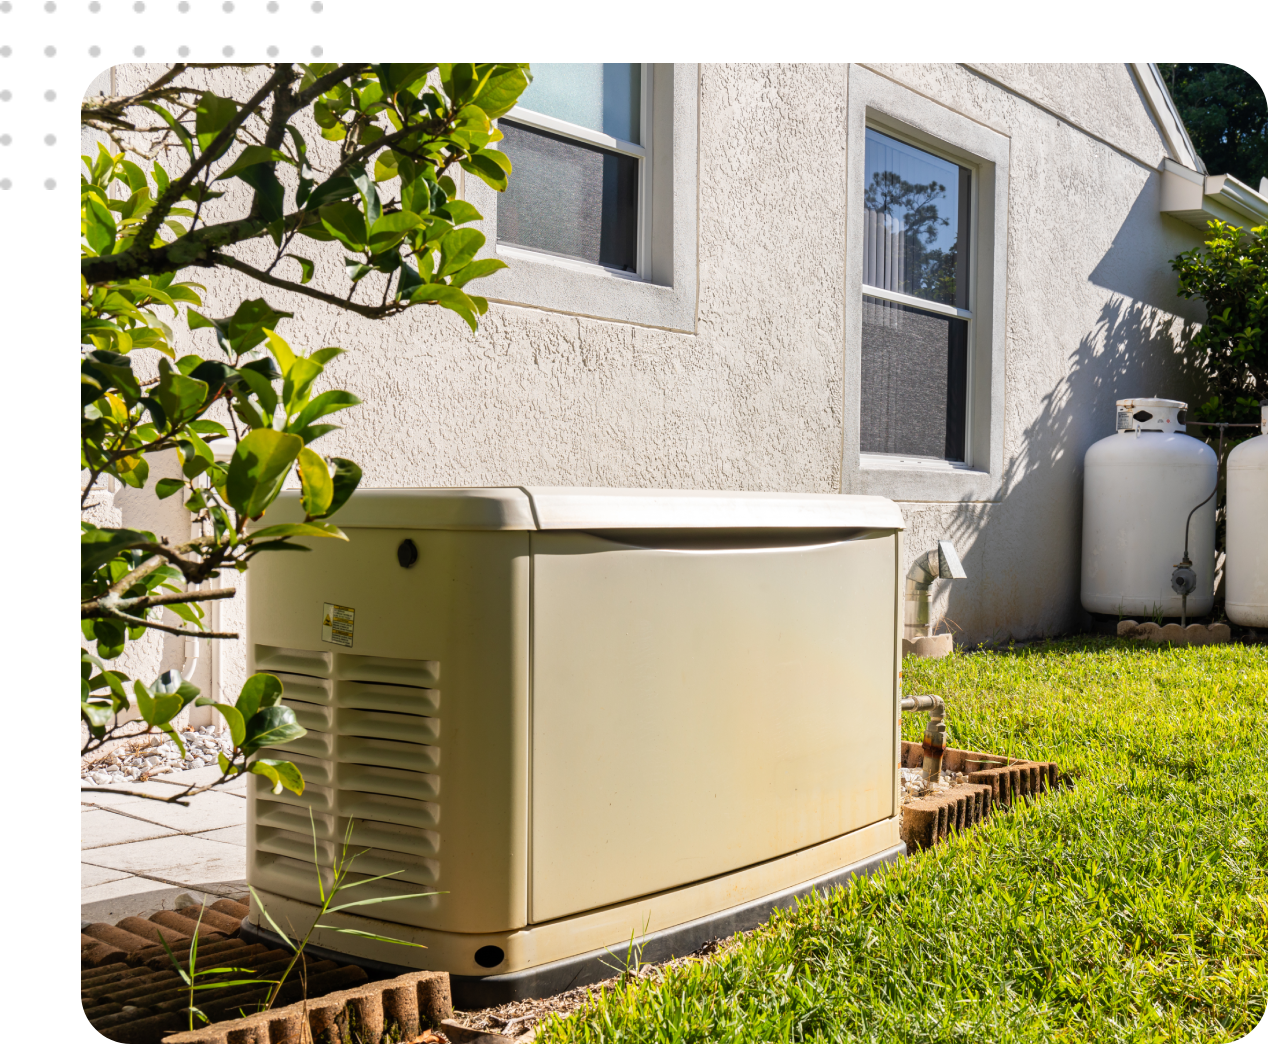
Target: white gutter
1196, 198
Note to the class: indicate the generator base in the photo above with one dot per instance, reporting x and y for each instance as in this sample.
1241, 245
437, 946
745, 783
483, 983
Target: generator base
472, 992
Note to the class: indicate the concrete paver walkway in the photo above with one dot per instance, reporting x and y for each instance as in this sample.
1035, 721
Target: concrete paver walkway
138, 855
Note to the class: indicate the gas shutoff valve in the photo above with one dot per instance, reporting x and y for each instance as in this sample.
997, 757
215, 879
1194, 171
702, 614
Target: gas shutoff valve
1184, 580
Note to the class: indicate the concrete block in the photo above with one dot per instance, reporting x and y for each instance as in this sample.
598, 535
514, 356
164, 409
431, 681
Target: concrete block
929, 647
99, 827
176, 859
209, 811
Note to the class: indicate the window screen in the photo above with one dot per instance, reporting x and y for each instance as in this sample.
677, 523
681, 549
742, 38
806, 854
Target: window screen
569, 198
915, 245
914, 386
570, 194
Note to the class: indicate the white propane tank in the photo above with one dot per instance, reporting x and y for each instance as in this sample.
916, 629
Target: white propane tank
1139, 486
1246, 533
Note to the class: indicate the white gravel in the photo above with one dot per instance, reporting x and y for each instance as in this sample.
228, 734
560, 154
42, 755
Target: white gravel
149, 756
914, 784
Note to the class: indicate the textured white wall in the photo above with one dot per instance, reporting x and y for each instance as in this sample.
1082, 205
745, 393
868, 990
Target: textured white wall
752, 399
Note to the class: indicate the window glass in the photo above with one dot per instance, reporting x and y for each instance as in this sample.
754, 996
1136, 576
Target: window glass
915, 222
569, 198
914, 389
603, 96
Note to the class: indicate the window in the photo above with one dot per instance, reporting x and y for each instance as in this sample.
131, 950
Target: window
575, 143
599, 216
926, 233
916, 289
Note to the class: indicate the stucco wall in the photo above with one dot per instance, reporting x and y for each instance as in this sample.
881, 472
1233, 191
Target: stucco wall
753, 398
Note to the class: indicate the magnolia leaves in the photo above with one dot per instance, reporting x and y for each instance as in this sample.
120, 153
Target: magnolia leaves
257, 720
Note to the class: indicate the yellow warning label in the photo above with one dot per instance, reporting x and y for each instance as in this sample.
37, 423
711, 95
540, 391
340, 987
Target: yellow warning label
337, 624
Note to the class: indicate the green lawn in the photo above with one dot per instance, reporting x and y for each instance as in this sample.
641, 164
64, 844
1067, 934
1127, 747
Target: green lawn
1132, 907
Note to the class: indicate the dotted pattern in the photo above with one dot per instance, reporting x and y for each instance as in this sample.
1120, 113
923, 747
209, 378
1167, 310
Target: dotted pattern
82, 36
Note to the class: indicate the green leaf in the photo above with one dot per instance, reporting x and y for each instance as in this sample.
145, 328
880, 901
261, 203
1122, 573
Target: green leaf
280, 350
380, 899
317, 487
371, 935
459, 212
306, 267
329, 191
269, 196
326, 403
492, 171
477, 270
174, 736
259, 905
501, 92
235, 721
292, 529
258, 691
390, 229
213, 115
263, 389
324, 355
347, 477
386, 165
298, 383
272, 727
96, 711
258, 468
135, 176
369, 194
346, 223
250, 156
182, 135
447, 297
457, 248
98, 546
181, 397
282, 773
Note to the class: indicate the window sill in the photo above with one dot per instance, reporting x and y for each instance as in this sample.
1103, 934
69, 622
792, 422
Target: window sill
572, 264
898, 462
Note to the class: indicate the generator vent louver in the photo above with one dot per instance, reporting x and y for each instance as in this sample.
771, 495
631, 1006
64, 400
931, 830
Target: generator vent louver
371, 755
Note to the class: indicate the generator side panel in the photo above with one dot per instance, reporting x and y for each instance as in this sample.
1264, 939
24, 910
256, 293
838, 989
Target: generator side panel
413, 684
697, 712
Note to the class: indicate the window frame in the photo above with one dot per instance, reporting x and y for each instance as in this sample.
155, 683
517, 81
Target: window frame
908, 461
643, 153
879, 103
662, 291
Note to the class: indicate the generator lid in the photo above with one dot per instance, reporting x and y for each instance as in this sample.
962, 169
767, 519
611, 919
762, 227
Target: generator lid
585, 508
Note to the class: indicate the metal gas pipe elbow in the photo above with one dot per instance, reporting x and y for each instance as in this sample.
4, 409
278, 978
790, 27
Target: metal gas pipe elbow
935, 738
940, 563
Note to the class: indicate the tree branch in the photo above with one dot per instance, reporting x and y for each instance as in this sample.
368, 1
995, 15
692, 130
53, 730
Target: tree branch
175, 799
137, 621
323, 83
177, 189
369, 311
106, 604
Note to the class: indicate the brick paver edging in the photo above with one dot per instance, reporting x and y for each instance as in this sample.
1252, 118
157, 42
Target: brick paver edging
995, 781
390, 1010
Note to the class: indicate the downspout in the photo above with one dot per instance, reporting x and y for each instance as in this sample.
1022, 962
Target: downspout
940, 563
935, 738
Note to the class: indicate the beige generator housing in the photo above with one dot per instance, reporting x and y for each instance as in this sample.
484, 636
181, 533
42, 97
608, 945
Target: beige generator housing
576, 718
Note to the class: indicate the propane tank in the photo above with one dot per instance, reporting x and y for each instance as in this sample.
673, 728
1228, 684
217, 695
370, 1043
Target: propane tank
1246, 532
1139, 487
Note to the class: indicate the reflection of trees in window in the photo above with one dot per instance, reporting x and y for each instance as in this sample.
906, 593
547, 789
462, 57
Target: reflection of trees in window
911, 211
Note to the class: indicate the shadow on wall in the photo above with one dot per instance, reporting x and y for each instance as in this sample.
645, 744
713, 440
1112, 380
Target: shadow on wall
1134, 349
